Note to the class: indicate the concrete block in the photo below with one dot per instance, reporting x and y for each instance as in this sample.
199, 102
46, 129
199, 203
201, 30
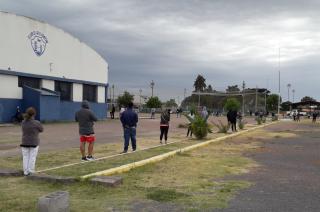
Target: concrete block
108, 181
10, 172
52, 179
54, 202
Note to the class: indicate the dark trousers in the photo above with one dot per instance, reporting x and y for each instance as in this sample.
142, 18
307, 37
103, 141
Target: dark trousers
112, 115
129, 133
164, 131
189, 131
234, 126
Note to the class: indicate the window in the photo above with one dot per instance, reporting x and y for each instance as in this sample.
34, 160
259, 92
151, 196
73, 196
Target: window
89, 93
29, 81
65, 90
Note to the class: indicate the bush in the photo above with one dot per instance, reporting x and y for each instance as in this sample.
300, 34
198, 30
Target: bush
200, 127
259, 121
232, 104
222, 128
241, 124
264, 120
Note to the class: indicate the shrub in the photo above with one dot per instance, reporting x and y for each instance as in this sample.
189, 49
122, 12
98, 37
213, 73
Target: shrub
259, 121
241, 124
222, 128
264, 120
200, 127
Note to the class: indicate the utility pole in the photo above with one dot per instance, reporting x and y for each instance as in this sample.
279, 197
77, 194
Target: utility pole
110, 95
293, 91
112, 92
243, 89
199, 98
152, 86
184, 93
279, 95
256, 106
140, 91
289, 86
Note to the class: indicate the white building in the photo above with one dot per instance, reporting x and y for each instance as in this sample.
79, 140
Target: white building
44, 67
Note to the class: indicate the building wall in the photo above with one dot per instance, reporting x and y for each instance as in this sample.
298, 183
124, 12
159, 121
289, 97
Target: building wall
64, 56
9, 87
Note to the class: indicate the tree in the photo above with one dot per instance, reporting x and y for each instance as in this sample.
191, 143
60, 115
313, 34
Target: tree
209, 89
232, 88
272, 102
285, 106
232, 104
171, 103
307, 99
154, 102
200, 83
125, 99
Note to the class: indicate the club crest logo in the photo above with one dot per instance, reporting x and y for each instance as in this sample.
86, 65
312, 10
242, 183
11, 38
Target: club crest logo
38, 42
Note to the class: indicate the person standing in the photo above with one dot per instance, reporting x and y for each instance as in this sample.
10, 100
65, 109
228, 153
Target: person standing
191, 116
232, 119
129, 120
86, 119
30, 141
204, 112
164, 125
113, 110
153, 113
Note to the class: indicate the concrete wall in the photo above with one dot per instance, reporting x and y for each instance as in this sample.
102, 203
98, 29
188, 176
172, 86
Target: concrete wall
64, 56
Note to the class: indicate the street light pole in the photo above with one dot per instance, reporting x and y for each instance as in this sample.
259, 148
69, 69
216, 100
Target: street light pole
279, 95
112, 93
289, 86
140, 91
243, 87
293, 91
152, 86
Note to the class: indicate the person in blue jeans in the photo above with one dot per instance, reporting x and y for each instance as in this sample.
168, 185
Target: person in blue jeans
129, 120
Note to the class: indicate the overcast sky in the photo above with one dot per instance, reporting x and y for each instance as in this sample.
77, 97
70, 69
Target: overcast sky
171, 41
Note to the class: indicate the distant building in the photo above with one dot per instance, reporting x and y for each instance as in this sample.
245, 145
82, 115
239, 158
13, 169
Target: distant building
44, 67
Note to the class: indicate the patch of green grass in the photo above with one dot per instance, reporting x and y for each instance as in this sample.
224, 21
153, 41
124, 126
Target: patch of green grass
165, 195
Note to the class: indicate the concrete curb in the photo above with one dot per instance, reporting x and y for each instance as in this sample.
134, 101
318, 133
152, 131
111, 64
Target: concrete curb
128, 167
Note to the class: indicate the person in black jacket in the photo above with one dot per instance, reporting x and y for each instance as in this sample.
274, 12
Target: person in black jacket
164, 125
232, 119
86, 120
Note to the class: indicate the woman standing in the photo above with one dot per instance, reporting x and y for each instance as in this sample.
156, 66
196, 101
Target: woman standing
30, 140
164, 125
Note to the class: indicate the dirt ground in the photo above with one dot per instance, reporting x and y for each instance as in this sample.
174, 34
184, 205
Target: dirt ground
65, 135
289, 173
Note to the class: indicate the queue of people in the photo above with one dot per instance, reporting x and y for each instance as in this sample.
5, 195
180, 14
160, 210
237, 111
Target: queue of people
86, 119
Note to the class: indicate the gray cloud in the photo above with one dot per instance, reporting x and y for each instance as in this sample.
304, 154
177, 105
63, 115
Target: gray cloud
172, 41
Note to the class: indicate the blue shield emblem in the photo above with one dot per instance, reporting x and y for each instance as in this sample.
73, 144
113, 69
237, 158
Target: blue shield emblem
38, 42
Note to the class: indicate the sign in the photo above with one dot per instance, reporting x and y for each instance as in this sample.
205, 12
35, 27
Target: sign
38, 42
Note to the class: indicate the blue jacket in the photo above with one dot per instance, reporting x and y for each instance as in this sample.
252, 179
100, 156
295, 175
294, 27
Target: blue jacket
129, 118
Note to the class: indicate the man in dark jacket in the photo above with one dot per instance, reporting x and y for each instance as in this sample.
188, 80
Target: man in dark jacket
129, 120
164, 125
85, 117
232, 119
